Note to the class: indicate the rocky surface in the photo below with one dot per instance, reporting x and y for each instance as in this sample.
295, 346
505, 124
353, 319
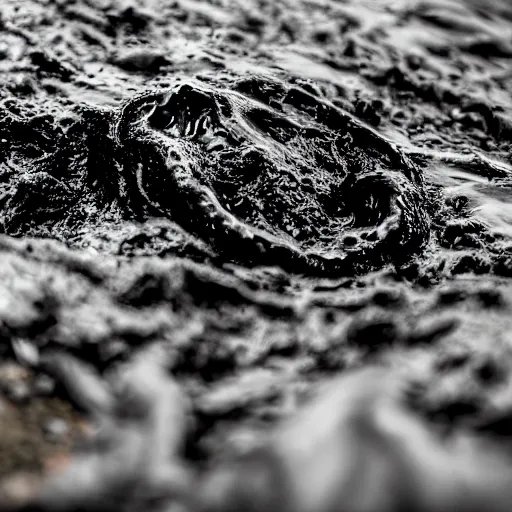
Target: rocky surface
266, 195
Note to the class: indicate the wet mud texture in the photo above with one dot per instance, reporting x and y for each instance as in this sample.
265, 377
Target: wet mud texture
269, 194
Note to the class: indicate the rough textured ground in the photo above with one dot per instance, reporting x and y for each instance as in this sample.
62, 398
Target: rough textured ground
268, 193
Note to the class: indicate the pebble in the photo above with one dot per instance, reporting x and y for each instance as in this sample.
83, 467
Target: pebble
43, 385
55, 429
17, 392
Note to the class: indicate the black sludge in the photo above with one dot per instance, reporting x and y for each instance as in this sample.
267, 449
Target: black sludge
291, 181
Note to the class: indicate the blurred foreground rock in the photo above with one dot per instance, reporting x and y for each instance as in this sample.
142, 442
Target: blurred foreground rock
354, 447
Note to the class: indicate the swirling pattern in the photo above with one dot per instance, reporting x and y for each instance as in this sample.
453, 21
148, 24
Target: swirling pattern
285, 178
